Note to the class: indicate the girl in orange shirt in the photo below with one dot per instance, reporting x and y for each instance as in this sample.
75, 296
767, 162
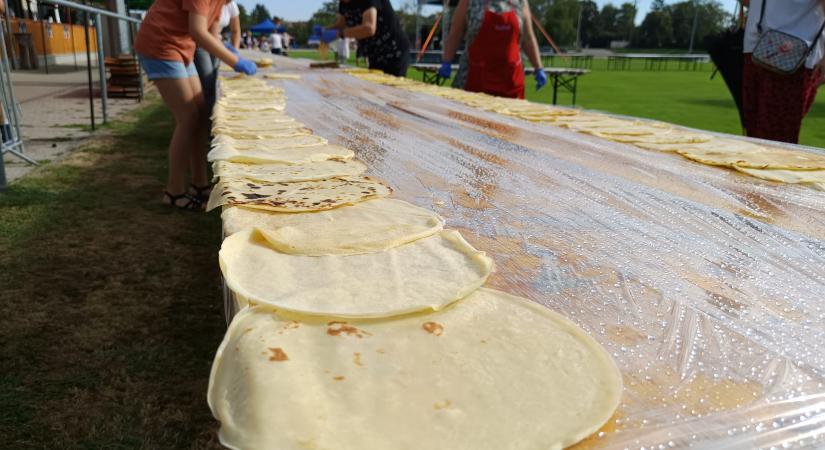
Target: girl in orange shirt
166, 45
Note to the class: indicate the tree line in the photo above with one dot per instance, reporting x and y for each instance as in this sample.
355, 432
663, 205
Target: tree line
571, 23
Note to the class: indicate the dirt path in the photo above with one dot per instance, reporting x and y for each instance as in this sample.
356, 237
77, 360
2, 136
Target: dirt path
109, 302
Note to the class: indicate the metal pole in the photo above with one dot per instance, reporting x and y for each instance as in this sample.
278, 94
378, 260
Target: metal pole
13, 51
134, 53
101, 66
71, 34
89, 68
579, 27
43, 36
695, 22
418, 12
7, 86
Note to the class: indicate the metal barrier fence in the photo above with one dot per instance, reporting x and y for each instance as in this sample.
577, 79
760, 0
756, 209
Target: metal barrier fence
12, 142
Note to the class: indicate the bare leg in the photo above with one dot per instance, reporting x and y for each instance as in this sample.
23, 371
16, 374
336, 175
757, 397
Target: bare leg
199, 145
178, 96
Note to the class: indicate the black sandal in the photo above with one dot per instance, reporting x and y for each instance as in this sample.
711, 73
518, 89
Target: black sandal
192, 203
202, 193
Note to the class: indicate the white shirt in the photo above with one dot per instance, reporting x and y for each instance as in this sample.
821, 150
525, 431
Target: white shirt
276, 40
343, 47
800, 18
229, 11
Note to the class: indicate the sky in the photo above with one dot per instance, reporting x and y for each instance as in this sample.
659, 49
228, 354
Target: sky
294, 10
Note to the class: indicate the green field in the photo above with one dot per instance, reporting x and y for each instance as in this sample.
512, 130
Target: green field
687, 98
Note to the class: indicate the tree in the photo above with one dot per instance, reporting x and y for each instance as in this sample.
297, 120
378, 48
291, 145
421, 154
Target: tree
259, 14
626, 21
560, 20
326, 14
656, 30
243, 16
711, 19
589, 22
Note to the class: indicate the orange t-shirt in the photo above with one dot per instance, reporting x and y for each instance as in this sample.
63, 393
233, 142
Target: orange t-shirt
164, 33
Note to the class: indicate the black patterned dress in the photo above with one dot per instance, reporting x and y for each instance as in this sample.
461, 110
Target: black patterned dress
389, 49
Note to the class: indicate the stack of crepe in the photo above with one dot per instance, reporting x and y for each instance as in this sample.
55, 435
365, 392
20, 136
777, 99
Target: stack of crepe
754, 159
365, 323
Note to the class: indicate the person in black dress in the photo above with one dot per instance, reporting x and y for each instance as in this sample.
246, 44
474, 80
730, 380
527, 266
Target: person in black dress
376, 27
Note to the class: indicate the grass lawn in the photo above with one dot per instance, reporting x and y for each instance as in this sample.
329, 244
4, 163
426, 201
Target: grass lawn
681, 97
110, 303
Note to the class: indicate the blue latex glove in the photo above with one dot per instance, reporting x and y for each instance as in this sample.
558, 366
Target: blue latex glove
446, 70
541, 78
231, 48
245, 66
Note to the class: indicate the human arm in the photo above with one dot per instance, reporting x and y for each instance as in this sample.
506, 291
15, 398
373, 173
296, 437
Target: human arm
529, 44
368, 27
531, 47
235, 29
457, 27
204, 37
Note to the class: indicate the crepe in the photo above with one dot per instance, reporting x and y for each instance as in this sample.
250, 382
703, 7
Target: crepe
785, 176
282, 76
268, 144
222, 117
272, 133
263, 62
254, 126
288, 173
672, 137
250, 107
429, 273
714, 144
366, 227
490, 372
297, 155
767, 158
296, 197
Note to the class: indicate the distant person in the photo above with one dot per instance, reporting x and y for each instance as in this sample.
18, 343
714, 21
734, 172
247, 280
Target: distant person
276, 43
166, 45
343, 50
495, 32
774, 104
375, 26
287, 38
207, 65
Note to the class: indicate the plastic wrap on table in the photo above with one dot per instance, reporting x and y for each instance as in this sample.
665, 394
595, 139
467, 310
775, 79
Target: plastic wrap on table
707, 286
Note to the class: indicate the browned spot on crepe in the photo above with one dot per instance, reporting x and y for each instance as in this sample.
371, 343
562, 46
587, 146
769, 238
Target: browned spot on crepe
433, 328
278, 354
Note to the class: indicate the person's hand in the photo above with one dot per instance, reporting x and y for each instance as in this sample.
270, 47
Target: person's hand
245, 66
231, 48
541, 78
445, 70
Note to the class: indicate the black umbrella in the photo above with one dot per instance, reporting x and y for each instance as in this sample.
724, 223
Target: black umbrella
725, 50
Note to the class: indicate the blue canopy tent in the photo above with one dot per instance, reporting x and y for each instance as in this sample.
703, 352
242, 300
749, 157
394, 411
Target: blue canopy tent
265, 27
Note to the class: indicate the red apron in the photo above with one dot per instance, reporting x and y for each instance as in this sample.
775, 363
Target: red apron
494, 57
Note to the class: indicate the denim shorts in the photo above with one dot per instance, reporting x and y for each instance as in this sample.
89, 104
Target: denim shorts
157, 69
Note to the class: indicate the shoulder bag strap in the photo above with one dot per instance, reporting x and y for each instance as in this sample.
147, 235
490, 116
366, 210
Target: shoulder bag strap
817, 38
761, 16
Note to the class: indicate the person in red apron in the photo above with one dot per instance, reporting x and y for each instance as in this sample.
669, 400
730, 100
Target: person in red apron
495, 33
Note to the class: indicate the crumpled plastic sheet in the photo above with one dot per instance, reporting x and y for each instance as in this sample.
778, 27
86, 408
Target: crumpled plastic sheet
706, 286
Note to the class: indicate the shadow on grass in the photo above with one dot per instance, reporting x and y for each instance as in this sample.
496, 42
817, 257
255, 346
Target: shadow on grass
110, 301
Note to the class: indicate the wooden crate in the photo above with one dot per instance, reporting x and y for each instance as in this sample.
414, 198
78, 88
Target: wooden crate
123, 75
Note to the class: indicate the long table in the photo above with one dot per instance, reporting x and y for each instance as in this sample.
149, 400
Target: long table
560, 77
705, 285
656, 61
